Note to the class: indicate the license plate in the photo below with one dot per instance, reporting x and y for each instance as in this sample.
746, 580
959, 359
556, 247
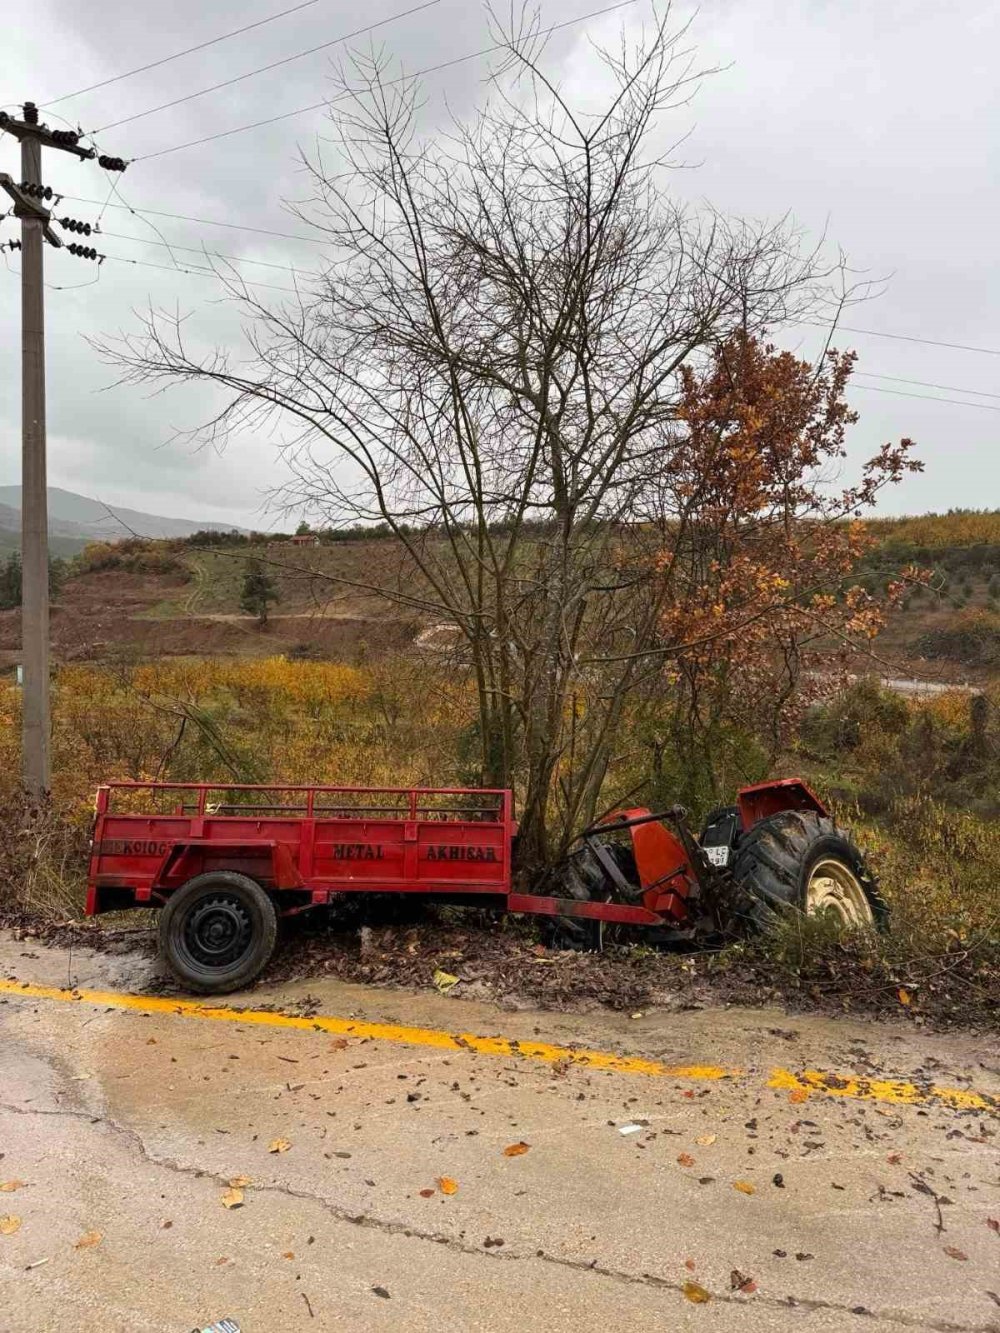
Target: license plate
719, 856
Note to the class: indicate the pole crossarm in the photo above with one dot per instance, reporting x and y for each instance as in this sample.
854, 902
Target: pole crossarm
26, 207
66, 140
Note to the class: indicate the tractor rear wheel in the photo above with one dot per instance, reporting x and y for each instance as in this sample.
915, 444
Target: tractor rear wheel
801, 860
218, 932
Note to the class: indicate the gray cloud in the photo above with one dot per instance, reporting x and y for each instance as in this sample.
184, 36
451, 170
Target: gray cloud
873, 122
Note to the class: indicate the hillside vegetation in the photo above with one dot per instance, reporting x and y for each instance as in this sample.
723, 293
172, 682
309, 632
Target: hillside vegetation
917, 781
156, 598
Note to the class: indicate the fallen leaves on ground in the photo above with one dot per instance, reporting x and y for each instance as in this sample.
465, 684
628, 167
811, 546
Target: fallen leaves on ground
706, 1140
9, 1186
381, 1291
288, 1254
516, 1149
278, 1145
742, 1282
427, 1194
445, 981
953, 1252
339, 1045
233, 1198
798, 1095
993, 1223
88, 1240
9, 1224
239, 1182
695, 1292
685, 1159
904, 996
744, 1187
446, 1185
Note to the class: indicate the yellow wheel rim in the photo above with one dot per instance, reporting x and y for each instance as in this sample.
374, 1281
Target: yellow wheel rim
834, 891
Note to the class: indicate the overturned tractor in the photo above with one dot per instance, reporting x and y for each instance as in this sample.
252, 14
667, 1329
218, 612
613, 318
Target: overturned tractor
226, 863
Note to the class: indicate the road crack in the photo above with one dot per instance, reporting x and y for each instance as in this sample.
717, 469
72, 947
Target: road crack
389, 1227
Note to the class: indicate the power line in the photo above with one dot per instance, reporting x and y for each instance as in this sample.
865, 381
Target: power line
927, 398
900, 337
165, 60
431, 69
923, 384
214, 254
275, 64
209, 222
197, 273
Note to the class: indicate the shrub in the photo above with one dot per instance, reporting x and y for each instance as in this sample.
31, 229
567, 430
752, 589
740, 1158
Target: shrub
973, 639
43, 860
132, 555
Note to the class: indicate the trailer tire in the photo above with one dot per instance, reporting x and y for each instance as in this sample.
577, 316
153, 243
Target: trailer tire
218, 932
799, 860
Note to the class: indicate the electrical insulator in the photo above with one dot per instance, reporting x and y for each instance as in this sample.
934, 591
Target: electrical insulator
14, 245
65, 137
71, 224
36, 191
82, 251
111, 163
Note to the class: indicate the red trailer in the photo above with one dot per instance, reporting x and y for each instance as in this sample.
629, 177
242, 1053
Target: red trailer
225, 862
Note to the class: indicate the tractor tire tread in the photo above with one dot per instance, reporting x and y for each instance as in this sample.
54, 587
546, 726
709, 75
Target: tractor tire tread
775, 858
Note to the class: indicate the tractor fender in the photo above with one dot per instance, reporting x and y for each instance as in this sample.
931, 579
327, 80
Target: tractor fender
772, 798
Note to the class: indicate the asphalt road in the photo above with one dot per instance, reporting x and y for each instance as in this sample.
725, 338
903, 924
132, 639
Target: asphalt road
746, 1193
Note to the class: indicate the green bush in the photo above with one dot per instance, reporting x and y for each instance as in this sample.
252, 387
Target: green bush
860, 711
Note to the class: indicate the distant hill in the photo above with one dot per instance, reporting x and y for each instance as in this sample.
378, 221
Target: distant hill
75, 520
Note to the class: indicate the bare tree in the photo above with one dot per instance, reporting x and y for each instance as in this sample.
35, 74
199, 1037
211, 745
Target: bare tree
491, 364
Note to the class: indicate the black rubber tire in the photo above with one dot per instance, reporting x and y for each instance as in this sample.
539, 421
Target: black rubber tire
775, 859
240, 905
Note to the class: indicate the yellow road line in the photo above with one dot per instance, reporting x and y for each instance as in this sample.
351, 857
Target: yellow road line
894, 1091
507, 1047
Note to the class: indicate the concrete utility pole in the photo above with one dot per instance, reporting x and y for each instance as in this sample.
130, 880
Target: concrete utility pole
36, 725
35, 230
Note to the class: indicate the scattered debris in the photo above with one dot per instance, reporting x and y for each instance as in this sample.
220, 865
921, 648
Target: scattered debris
89, 1240
278, 1145
744, 1187
516, 1149
381, 1291
741, 1282
9, 1224
446, 1185
233, 1198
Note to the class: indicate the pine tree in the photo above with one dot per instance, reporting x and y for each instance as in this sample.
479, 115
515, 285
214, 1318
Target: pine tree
258, 591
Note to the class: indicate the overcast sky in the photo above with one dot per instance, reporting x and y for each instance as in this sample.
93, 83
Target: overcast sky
874, 121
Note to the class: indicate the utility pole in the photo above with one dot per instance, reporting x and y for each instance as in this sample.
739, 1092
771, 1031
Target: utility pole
35, 230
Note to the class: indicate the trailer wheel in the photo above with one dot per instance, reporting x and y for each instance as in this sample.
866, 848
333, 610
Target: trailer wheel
218, 932
801, 860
